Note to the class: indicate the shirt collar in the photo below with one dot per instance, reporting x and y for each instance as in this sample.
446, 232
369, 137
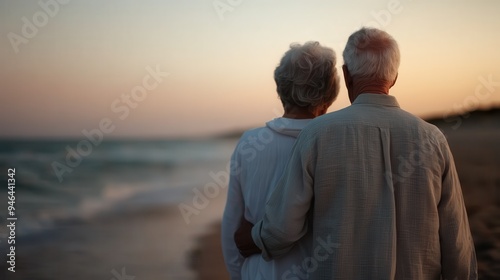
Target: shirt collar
376, 99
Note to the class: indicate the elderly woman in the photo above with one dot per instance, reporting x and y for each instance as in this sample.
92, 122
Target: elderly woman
307, 84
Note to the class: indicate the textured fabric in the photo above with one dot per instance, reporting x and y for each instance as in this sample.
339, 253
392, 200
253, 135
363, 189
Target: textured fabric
377, 191
256, 166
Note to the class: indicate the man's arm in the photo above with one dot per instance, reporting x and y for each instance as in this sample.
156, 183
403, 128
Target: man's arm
233, 214
458, 256
285, 219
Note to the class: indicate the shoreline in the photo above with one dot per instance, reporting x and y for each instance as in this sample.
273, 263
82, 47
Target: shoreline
148, 243
131, 243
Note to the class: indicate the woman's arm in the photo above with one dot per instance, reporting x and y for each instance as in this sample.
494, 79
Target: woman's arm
233, 214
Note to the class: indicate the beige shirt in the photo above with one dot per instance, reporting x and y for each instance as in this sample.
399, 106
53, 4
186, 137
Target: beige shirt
377, 191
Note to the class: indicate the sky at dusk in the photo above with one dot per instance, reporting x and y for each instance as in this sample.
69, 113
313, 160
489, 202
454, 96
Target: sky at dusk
195, 68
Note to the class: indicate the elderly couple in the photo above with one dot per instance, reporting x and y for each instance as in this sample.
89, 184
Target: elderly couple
367, 192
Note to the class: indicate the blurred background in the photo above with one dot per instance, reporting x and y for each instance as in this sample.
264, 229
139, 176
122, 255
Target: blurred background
120, 118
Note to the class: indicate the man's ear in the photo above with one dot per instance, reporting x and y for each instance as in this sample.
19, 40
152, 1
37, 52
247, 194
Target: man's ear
348, 83
347, 76
395, 79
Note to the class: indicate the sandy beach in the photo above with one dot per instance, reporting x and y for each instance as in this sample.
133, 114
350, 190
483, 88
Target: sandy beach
476, 156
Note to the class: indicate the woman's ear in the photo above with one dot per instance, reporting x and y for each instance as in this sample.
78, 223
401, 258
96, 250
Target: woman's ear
318, 110
322, 110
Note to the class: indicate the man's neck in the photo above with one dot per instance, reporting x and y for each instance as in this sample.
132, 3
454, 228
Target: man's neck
361, 86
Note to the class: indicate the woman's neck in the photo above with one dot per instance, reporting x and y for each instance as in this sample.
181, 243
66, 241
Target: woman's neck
295, 112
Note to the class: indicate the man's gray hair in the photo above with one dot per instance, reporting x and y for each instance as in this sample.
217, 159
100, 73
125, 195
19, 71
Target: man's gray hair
372, 53
306, 76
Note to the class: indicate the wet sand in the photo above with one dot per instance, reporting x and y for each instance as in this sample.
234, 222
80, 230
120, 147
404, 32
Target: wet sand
153, 243
207, 259
139, 244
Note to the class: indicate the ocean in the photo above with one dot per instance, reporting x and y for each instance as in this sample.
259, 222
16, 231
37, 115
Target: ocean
115, 175
59, 181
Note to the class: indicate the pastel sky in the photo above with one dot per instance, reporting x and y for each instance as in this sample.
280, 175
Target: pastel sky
68, 65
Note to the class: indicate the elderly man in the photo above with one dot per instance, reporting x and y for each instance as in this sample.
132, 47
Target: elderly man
375, 186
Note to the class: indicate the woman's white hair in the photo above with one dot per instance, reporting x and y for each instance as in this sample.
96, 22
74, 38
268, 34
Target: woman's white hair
306, 76
372, 53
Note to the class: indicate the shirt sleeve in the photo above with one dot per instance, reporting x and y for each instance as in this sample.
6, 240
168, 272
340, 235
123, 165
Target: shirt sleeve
285, 218
233, 214
458, 256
